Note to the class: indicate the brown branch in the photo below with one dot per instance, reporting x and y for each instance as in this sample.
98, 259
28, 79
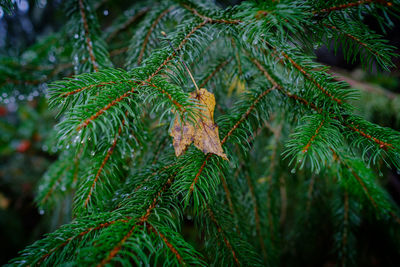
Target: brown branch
249, 110
307, 146
87, 36
215, 71
196, 178
54, 185
353, 38
222, 21
117, 248
104, 109
365, 189
264, 71
167, 243
66, 94
151, 76
178, 105
88, 230
140, 221
273, 82
382, 144
385, 146
303, 101
352, 4
256, 215
86, 122
340, 75
226, 241
299, 68
128, 22
118, 51
106, 158
310, 78
152, 27
227, 194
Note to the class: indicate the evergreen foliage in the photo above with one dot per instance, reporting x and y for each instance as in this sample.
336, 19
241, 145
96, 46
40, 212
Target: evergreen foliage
279, 112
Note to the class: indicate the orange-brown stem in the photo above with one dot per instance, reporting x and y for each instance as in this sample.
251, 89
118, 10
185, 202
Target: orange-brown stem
352, 4
88, 230
226, 241
140, 221
128, 22
310, 78
151, 76
307, 146
246, 115
104, 109
108, 155
216, 70
94, 85
256, 215
385, 146
151, 29
353, 38
222, 21
167, 243
87, 36
54, 185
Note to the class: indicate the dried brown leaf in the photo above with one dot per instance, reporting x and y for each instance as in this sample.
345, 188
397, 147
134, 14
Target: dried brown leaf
204, 133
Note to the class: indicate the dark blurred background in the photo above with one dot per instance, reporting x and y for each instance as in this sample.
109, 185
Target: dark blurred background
25, 120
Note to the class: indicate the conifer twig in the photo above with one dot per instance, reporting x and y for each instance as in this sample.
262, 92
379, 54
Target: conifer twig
87, 36
180, 59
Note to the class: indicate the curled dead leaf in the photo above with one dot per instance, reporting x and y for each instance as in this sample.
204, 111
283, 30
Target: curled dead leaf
203, 133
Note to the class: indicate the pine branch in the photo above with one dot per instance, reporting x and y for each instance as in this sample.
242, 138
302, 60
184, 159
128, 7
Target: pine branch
226, 241
103, 163
129, 208
357, 39
229, 133
218, 68
353, 4
152, 27
376, 196
87, 36
257, 215
114, 30
88, 44
140, 221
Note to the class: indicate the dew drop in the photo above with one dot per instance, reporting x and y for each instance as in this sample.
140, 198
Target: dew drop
41, 211
293, 170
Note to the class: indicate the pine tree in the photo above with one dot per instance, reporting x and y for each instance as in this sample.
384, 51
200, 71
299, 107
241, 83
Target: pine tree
299, 161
